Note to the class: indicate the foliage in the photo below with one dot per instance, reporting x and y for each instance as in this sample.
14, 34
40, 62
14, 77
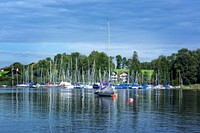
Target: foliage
3, 73
134, 62
182, 67
119, 61
187, 64
119, 71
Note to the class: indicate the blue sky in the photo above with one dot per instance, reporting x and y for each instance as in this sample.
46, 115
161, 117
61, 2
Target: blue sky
31, 30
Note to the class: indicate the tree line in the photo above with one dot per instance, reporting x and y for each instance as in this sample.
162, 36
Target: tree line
182, 67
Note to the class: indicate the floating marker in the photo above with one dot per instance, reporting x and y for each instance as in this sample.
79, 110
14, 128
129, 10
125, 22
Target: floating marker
113, 96
131, 100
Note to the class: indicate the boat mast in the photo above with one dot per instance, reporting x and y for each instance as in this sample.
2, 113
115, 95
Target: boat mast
12, 75
50, 73
108, 49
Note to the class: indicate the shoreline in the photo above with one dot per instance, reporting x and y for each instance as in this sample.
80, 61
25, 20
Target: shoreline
190, 87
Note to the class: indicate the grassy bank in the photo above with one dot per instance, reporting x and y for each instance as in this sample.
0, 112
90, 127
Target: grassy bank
192, 87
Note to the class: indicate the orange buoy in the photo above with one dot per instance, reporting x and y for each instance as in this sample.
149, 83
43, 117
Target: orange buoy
131, 100
113, 96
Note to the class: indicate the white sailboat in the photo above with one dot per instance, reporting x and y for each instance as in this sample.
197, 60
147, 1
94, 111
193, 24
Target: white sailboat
108, 91
67, 85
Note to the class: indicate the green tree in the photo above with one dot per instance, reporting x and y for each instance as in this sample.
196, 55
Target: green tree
161, 69
187, 64
135, 63
119, 61
198, 64
124, 63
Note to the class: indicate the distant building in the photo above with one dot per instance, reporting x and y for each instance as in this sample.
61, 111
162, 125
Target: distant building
114, 76
15, 71
123, 76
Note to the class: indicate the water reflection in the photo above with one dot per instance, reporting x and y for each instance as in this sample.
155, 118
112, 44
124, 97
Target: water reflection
79, 110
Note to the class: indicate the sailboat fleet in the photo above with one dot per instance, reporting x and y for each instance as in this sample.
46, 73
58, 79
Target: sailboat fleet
106, 86
103, 88
65, 78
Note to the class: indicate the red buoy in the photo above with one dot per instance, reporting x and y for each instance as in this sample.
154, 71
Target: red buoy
131, 100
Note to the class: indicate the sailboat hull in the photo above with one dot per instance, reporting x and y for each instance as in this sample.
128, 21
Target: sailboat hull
105, 94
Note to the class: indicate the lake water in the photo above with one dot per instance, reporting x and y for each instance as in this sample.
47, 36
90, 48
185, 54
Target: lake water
54, 110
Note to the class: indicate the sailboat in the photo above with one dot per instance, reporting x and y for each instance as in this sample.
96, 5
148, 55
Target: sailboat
109, 90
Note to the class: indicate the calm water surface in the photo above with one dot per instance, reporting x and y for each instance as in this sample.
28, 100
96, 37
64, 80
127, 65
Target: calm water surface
61, 110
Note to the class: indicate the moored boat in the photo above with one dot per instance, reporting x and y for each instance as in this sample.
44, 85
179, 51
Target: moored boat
3, 85
22, 85
135, 86
66, 85
107, 91
123, 86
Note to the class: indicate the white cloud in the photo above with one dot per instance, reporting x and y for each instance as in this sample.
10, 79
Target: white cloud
38, 51
24, 53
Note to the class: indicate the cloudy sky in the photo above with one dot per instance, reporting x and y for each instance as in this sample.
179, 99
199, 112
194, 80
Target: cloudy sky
31, 30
